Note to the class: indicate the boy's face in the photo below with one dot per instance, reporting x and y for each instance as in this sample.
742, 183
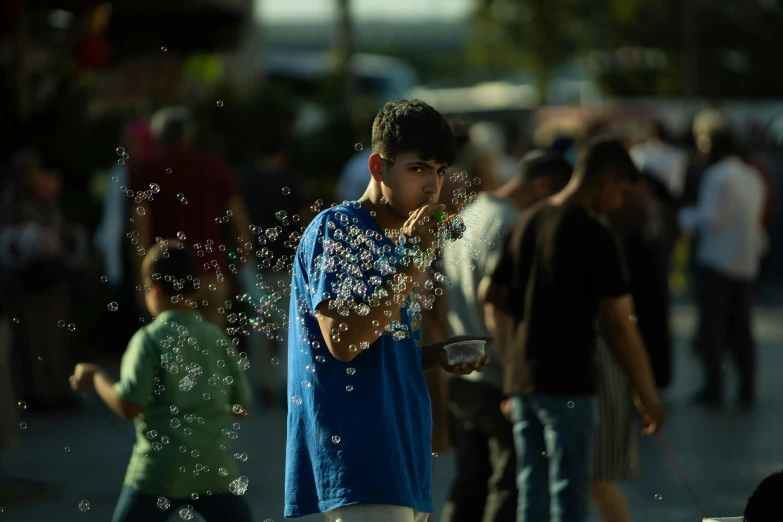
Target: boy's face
409, 182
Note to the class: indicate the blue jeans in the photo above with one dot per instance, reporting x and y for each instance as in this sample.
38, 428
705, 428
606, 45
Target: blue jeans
134, 506
553, 436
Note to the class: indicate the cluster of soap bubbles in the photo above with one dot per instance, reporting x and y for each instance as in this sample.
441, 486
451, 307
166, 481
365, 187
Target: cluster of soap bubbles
71, 326
239, 486
366, 266
123, 156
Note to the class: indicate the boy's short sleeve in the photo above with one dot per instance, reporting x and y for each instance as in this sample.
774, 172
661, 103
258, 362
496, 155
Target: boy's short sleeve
140, 365
338, 260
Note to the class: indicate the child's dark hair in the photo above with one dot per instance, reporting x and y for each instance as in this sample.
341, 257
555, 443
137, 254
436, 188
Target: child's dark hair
604, 154
413, 126
173, 267
764, 504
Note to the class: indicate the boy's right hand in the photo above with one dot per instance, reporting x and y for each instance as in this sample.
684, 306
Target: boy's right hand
421, 224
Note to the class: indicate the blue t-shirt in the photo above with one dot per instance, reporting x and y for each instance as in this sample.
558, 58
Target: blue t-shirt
358, 432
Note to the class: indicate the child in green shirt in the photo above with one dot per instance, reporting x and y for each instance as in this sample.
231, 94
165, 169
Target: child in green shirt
181, 382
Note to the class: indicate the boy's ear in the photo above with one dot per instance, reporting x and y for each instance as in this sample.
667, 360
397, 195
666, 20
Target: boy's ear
154, 287
376, 166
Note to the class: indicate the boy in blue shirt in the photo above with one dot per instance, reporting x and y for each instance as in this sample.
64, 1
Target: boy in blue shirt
359, 421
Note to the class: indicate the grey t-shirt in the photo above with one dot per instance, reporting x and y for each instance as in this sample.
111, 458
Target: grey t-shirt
466, 262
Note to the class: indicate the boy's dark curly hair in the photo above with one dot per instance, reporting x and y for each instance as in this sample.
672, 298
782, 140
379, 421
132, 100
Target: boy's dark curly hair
412, 126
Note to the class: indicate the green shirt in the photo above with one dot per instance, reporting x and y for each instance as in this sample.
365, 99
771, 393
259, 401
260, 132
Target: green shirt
188, 375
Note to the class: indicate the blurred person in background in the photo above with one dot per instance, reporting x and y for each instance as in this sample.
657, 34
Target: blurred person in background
727, 219
657, 157
194, 196
353, 177
269, 187
355, 173
642, 240
474, 162
145, 371
37, 253
139, 144
555, 296
490, 137
485, 486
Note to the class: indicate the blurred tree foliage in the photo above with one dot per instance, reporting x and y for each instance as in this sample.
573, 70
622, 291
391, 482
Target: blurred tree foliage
709, 48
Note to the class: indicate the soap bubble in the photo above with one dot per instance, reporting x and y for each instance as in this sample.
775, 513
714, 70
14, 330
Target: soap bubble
112, 307
358, 147
181, 235
286, 191
163, 503
220, 103
84, 506
239, 486
336, 439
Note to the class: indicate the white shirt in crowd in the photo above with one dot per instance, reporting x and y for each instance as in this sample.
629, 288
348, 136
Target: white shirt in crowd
467, 261
728, 219
667, 163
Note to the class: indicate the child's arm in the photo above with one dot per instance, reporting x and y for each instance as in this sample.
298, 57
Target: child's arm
92, 376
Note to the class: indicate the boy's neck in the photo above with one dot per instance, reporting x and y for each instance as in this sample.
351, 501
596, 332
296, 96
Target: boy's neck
170, 307
381, 212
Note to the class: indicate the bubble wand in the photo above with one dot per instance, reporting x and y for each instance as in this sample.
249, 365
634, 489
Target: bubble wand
453, 225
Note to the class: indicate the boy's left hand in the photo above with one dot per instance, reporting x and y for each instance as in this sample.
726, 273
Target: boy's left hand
464, 368
83, 376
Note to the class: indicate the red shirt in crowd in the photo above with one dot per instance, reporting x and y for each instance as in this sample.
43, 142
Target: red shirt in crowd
195, 189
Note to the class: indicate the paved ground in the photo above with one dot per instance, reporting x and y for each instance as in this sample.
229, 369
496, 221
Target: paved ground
724, 455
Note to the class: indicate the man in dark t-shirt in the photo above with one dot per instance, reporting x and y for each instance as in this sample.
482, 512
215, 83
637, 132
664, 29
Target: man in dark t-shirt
561, 271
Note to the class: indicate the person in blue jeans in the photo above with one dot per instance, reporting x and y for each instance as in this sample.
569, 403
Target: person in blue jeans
561, 275
359, 418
